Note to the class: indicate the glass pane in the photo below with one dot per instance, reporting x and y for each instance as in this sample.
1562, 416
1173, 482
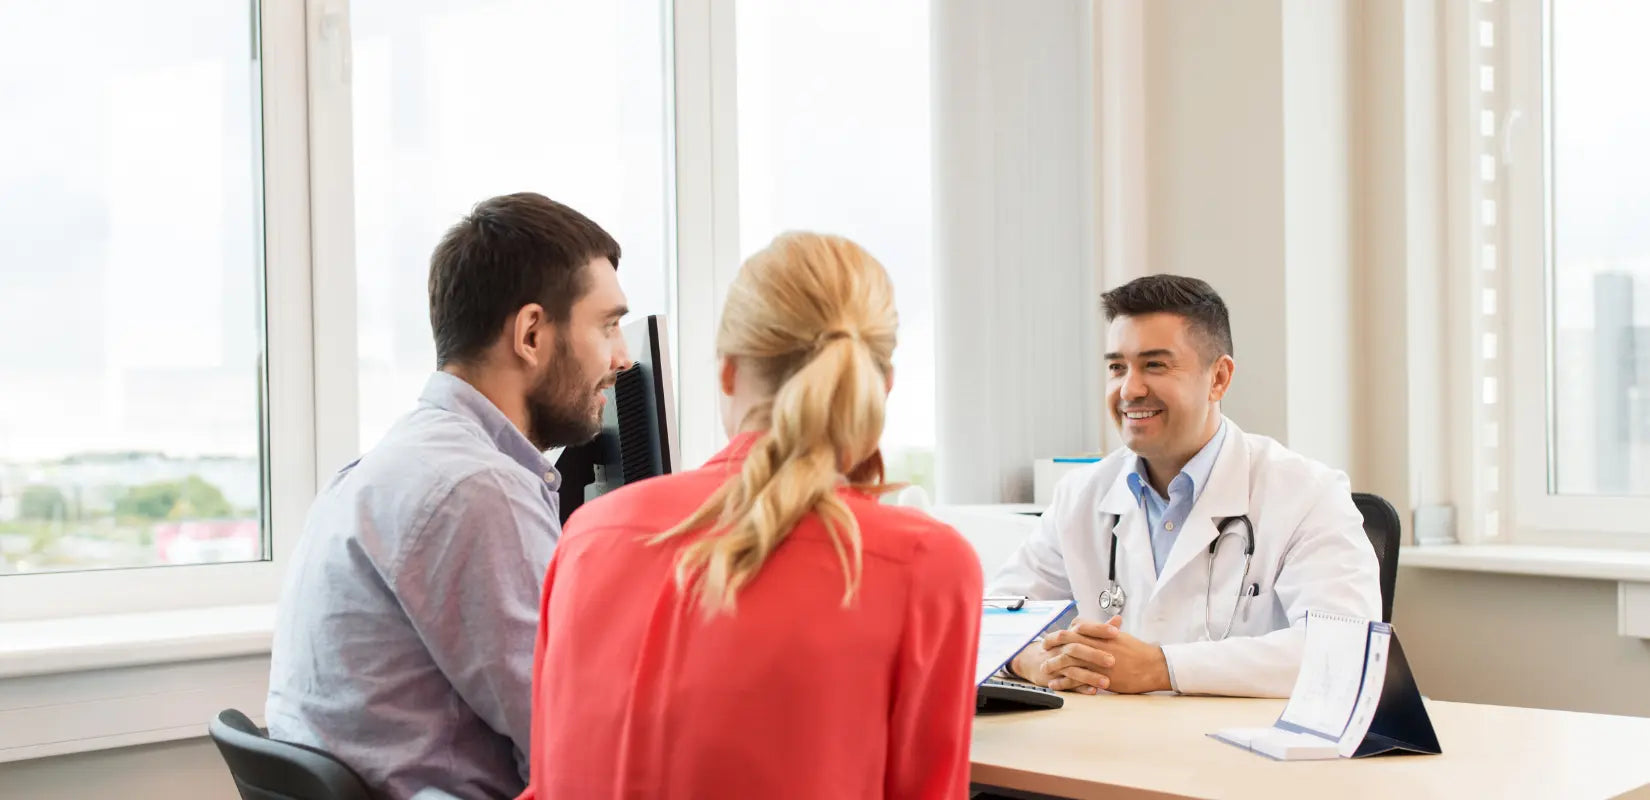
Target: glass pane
1601, 274
460, 100
130, 297
845, 149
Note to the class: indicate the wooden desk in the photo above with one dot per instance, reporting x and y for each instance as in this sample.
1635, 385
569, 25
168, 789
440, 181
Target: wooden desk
1154, 747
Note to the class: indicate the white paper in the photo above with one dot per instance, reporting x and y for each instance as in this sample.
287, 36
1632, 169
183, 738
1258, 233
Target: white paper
1332, 667
1242, 737
1003, 633
1380, 639
1280, 744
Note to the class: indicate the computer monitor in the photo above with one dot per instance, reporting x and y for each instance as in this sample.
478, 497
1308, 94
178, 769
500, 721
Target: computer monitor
638, 438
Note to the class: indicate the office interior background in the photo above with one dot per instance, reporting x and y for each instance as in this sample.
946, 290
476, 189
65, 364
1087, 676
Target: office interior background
1428, 217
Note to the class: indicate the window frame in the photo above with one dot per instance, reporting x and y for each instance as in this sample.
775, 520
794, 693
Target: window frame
704, 231
1531, 511
287, 406
310, 418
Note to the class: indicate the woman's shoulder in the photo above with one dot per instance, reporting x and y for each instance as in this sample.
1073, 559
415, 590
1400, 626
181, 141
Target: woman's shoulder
908, 533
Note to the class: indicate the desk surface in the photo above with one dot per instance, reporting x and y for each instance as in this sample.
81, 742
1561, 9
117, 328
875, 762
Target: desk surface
1154, 747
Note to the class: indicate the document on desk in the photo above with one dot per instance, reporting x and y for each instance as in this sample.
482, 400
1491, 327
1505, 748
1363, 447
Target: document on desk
1005, 632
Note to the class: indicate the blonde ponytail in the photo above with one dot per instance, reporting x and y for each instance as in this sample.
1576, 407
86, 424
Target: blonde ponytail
814, 316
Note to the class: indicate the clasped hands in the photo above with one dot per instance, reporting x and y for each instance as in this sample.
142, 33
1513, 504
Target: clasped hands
1089, 656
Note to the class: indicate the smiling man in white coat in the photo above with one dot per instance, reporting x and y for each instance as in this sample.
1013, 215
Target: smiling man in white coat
1195, 551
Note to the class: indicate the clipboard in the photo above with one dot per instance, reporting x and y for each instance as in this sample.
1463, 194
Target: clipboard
1005, 631
1007, 625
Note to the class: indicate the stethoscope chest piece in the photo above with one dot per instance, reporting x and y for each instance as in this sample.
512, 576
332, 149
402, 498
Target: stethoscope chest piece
1112, 600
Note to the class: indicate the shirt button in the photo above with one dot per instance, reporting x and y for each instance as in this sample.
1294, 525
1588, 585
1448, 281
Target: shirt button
549, 477
1168, 526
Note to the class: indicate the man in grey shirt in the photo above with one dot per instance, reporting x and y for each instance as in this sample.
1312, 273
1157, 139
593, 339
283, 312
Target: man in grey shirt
404, 643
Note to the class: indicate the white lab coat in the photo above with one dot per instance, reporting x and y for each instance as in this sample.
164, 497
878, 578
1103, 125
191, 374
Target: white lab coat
1310, 553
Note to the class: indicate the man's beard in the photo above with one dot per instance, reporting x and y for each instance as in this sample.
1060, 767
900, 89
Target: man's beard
561, 409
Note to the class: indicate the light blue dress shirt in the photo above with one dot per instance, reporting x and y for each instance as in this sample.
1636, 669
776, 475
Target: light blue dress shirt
404, 641
1165, 516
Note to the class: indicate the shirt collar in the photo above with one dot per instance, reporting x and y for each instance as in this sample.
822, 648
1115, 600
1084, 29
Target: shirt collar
1196, 470
449, 392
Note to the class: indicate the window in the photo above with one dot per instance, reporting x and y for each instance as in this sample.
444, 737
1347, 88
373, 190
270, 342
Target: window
834, 136
131, 299
1562, 261
1600, 260
456, 101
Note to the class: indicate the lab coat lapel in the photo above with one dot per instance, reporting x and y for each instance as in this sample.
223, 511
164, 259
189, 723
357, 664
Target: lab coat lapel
1227, 495
1135, 570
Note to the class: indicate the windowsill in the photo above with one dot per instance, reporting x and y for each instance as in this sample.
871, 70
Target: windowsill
1629, 569
1517, 559
97, 682
126, 640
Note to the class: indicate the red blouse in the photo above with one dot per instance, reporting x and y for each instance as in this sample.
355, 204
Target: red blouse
637, 695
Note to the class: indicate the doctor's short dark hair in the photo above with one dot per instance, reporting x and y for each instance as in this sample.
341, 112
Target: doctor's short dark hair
1194, 300
510, 251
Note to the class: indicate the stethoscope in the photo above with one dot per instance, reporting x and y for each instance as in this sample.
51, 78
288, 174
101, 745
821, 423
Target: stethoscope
1113, 599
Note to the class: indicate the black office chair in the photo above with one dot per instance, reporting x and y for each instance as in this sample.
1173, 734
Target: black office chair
269, 769
1385, 532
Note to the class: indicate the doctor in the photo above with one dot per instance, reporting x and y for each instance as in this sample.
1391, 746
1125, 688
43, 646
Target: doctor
1195, 551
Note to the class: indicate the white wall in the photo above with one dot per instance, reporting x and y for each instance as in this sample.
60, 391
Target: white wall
1520, 641
1215, 191
186, 769
1249, 186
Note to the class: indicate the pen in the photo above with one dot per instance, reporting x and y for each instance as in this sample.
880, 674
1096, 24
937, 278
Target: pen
1012, 602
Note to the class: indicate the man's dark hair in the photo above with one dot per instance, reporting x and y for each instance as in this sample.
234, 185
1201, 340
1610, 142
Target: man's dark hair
510, 251
1192, 299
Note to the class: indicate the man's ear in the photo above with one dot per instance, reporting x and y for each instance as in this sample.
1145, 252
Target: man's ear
1223, 369
530, 338
730, 371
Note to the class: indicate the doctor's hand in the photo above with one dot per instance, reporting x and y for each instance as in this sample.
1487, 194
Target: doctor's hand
1090, 656
1043, 665
1069, 661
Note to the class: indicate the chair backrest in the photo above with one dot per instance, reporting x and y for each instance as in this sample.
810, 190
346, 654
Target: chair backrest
268, 769
1385, 532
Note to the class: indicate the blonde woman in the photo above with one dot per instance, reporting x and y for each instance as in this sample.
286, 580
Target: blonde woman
761, 627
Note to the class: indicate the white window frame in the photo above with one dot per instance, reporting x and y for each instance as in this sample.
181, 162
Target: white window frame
705, 228
312, 420
331, 211
1527, 511
289, 412
311, 417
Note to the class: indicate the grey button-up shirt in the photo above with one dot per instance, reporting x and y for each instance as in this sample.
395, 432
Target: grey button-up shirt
404, 642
